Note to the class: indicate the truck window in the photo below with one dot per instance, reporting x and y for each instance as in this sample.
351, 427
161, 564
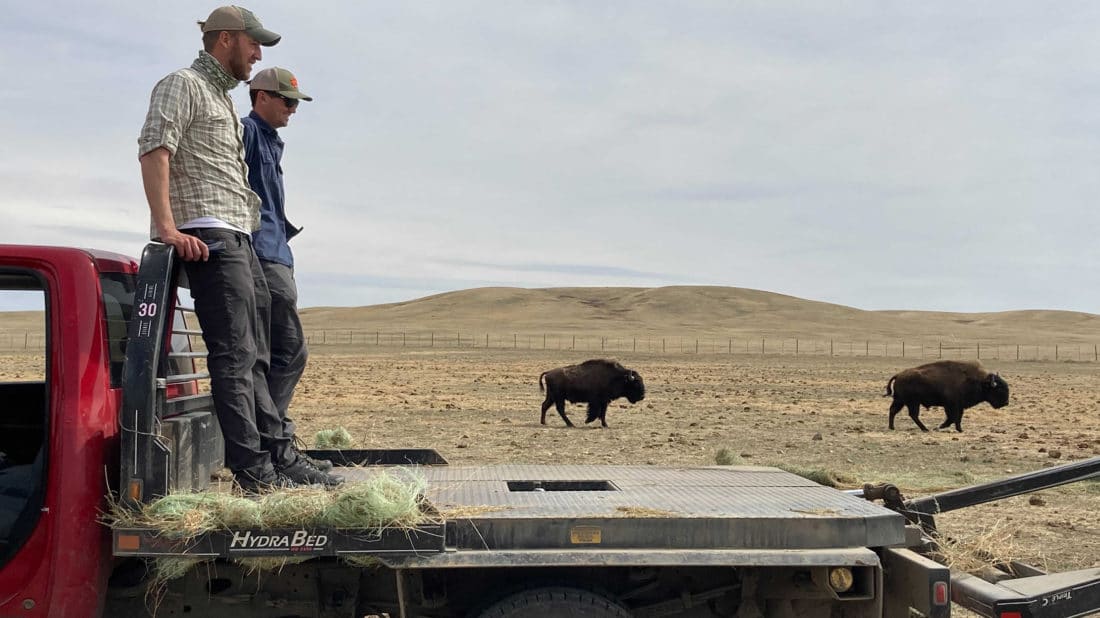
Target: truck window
118, 305
24, 391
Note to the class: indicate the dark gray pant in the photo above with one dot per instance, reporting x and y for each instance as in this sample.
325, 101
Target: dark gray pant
233, 305
288, 342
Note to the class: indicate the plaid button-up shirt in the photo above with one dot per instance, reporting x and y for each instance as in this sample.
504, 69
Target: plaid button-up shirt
192, 115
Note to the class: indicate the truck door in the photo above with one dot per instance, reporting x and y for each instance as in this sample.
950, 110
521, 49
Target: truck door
24, 405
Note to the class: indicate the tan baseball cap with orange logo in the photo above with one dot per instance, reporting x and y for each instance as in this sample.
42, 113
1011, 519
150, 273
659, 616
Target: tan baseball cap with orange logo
276, 79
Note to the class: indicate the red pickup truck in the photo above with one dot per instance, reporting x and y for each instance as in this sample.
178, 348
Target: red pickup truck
111, 407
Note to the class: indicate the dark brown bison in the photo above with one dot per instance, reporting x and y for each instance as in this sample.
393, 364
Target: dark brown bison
954, 385
596, 382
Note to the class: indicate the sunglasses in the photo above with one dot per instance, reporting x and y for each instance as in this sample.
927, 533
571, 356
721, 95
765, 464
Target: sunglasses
289, 102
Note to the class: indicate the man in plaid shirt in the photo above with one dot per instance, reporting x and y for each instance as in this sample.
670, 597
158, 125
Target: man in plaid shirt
196, 183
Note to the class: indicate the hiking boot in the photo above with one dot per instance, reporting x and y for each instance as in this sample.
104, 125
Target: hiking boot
272, 481
303, 472
324, 465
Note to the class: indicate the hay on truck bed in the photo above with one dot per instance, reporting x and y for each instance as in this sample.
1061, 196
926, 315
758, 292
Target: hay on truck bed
385, 500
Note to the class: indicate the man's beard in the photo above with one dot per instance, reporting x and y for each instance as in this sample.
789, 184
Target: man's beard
238, 66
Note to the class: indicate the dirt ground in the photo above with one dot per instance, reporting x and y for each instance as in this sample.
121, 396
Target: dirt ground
481, 406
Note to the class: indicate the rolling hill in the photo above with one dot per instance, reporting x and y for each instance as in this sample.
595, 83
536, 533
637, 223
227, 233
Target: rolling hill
699, 310
702, 311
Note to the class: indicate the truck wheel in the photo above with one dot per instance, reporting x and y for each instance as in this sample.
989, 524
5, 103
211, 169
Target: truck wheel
555, 602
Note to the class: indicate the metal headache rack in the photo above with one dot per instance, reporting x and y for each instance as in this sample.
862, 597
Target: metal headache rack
146, 456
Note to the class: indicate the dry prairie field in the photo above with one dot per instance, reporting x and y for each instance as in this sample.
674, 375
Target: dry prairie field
481, 406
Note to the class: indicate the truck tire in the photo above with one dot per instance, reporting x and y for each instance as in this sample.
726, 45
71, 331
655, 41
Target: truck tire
554, 602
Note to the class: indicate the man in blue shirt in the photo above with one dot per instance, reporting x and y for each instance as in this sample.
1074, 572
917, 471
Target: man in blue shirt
275, 98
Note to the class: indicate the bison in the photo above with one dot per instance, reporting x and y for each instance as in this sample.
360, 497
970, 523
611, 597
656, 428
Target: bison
954, 385
596, 382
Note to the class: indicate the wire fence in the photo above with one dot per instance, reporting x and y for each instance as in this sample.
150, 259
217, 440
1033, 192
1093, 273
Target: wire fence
670, 345
711, 345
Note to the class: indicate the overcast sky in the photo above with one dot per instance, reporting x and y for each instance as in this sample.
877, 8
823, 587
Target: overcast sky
883, 155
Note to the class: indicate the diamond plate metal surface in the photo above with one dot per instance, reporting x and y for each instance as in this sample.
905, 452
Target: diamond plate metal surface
733, 507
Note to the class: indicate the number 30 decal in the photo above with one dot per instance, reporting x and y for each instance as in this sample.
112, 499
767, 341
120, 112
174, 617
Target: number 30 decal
147, 310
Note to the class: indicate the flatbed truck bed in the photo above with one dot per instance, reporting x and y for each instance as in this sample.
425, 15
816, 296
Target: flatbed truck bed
716, 511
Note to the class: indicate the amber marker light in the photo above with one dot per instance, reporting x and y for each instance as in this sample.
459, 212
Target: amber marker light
840, 579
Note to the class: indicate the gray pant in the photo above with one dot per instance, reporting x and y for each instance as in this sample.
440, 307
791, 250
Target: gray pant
233, 305
288, 341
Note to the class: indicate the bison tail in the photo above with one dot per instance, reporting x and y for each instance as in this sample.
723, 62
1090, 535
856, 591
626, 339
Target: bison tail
888, 391
541, 376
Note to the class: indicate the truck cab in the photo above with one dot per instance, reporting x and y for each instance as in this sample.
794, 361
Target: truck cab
59, 422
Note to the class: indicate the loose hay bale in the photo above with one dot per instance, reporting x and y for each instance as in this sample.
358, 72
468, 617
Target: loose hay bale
294, 507
237, 512
183, 515
381, 501
338, 438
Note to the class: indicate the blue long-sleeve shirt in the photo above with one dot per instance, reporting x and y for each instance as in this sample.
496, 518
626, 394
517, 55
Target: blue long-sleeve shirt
263, 152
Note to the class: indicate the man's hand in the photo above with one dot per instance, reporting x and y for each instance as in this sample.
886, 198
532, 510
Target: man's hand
190, 248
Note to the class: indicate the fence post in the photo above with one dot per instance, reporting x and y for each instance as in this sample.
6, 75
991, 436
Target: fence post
574, 346
830, 347
941, 350
696, 346
662, 345
635, 344
1056, 351
513, 341
322, 337
903, 349
731, 345
979, 350
867, 348
544, 341
486, 340
761, 346
796, 346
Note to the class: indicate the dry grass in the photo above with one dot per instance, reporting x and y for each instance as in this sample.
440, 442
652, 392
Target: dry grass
978, 550
644, 512
386, 499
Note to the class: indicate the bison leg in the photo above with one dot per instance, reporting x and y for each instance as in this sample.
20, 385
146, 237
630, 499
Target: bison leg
561, 411
546, 406
895, 407
914, 413
958, 421
597, 410
954, 417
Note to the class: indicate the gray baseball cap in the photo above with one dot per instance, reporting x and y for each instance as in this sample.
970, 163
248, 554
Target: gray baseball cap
235, 18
